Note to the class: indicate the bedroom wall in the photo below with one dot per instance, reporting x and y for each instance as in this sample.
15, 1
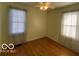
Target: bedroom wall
35, 23
54, 19
3, 24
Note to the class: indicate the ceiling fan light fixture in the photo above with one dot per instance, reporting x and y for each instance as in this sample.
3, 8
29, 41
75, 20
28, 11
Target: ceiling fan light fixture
43, 8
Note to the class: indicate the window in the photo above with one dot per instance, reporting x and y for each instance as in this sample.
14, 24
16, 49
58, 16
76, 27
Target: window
17, 21
70, 24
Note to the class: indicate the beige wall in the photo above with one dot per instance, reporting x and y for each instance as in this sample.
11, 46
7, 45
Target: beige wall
54, 19
35, 23
3, 23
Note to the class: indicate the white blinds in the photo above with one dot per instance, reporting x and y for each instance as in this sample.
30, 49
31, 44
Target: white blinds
70, 25
17, 20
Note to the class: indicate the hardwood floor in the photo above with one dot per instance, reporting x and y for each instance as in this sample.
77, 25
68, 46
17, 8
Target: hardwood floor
42, 47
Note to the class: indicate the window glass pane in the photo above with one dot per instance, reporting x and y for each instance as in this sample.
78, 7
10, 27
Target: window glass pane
67, 19
17, 15
74, 18
14, 28
66, 31
13, 15
20, 27
69, 31
21, 16
70, 18
73, 32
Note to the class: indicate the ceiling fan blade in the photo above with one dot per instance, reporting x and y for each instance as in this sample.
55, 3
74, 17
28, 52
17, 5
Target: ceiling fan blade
44, 3
50, 5
41, 3
38, 6
47, 4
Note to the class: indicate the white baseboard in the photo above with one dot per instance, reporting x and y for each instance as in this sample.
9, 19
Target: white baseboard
34, 38
51, 37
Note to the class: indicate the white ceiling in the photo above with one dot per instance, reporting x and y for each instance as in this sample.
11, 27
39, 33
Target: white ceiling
61, 4
52, 5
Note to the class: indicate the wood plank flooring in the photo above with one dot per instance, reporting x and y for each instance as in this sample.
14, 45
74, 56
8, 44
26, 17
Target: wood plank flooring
42, 47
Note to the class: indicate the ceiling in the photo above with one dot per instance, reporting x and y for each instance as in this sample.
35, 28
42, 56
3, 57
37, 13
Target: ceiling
52, 5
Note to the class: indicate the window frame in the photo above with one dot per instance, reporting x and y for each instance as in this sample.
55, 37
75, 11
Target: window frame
62, 24
16, 8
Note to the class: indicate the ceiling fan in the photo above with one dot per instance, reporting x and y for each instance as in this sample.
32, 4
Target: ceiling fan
44, 5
